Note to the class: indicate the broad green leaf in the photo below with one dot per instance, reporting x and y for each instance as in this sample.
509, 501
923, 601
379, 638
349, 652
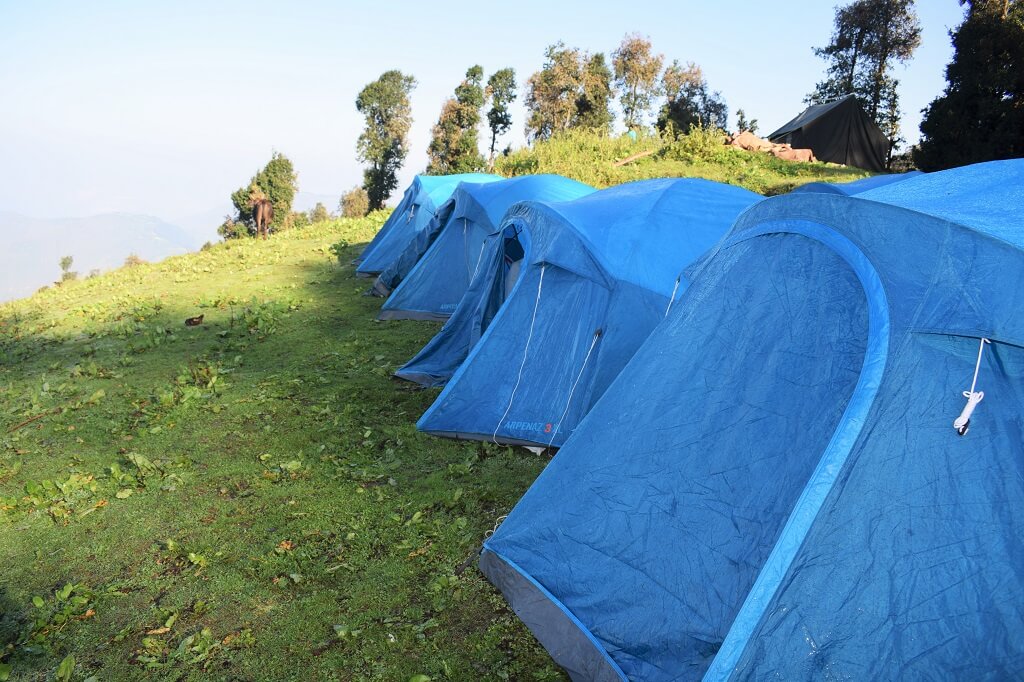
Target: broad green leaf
65, 669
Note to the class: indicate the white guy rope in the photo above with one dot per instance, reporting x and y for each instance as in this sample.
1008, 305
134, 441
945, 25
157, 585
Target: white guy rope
497, 522
593, 342
963, 422
479, 257
672, 298
526, 351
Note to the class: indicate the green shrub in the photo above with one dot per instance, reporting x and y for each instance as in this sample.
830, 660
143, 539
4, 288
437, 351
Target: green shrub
698, 145
355, 203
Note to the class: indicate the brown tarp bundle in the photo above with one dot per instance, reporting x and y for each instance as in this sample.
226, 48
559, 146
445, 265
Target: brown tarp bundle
752, 143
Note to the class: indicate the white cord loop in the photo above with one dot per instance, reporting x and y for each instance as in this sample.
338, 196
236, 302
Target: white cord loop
963, 422
497, 522
412, 214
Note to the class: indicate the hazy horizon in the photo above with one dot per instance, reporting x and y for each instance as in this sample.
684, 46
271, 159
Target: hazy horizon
164, 111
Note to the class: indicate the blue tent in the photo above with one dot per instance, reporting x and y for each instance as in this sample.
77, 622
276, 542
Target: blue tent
435, 285
774, 487
413, 213
857, 186
504, 250
598, 276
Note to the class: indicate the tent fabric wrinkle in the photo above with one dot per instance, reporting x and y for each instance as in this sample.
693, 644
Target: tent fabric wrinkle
769, 487
607, 262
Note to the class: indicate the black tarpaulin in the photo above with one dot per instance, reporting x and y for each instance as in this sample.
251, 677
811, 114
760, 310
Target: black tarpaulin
840, 132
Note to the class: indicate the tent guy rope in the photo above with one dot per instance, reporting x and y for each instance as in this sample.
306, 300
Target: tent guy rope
963, 422
526, 352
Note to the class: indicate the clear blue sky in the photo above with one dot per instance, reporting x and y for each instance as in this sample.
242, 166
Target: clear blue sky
166, 107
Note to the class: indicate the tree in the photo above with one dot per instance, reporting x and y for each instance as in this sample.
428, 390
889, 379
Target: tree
743, 124
319, 213
66, 273
277, 182
869, 38
636, 76
689, 102
980, 115
295, 220
593, 105
454, 144
572, 90
501, 92
354, 203
383, 143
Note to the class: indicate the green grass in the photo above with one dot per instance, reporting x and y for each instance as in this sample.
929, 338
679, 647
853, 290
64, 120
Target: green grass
590, 158
247, 499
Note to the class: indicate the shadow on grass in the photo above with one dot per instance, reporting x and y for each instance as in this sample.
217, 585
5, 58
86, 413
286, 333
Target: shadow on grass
13, 620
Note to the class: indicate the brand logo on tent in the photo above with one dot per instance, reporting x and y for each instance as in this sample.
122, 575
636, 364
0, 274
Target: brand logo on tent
529, 426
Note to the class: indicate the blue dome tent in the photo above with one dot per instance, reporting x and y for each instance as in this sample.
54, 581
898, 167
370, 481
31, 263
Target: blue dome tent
421, 199
434, 286
776, 486
499, 269
598, 275
462, 202
857, 186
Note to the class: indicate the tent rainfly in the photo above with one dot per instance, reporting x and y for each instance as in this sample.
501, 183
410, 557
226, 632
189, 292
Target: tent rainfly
857, 186
814, 467
598, 275
421, 199
436, 283
838, 131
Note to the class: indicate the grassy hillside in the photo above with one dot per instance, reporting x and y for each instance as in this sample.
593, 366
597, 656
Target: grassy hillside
247, 499
591, 158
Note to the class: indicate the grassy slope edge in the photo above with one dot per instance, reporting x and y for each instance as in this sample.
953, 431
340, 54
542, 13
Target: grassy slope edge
247, 499
590, 157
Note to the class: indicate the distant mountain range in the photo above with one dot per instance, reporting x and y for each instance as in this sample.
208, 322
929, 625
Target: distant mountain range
32, 247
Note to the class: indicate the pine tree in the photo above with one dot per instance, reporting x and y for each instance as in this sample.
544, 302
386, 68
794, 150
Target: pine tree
980, 116
593, 105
